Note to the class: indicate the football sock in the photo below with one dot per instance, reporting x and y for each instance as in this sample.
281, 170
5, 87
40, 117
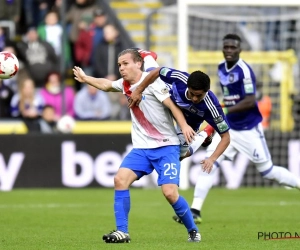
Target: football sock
199, 139
183, 211
203, 185
122, 208
195, 211
197, 203
282, 176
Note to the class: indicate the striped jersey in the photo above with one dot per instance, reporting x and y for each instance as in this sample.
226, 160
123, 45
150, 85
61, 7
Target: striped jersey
209, 109
152, 122
236, 84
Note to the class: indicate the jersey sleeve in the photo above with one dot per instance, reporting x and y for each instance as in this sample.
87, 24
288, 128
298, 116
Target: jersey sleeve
170, 75
214, 114
249, 81
219, 122
159, 89
118, 85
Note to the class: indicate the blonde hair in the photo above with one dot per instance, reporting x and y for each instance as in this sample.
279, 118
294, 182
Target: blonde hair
24, 99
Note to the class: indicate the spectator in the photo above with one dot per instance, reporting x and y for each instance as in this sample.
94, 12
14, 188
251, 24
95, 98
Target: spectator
51, 31
56, 7
53, 93
2, 39
90, 36
81, 9
264, 105
92, 104
27, 104
6, 95
34, 11
39, 57
108, 50
10, 10
47, 123
124, 111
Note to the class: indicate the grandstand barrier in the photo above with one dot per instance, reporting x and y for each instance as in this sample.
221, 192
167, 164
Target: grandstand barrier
91, 160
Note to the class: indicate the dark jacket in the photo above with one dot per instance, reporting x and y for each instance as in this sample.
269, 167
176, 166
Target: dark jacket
107, 58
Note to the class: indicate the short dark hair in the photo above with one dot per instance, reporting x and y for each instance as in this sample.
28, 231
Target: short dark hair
136, 56
48, 106
198, 80
233, 37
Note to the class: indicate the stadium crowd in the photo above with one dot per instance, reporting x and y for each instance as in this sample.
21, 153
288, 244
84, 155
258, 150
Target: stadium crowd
92, 42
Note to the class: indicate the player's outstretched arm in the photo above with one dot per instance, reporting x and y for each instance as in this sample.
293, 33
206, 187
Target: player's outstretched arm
99, 83
187, 131
207, 164
136, 95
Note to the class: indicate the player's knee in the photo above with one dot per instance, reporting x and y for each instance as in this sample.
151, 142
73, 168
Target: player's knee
170, 191
121, 182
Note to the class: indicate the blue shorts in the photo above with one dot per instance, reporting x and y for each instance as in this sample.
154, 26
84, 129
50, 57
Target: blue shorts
165, 161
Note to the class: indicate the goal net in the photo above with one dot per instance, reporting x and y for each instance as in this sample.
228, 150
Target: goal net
271, 45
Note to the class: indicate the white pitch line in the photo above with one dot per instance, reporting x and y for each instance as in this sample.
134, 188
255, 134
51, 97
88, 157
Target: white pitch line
49, 205
263, 203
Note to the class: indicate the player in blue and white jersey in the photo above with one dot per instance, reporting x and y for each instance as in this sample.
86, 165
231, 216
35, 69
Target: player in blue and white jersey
191, 93
238, 84
155, 144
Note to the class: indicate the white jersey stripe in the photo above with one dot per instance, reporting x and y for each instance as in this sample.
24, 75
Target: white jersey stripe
245, 69
180, 76
211, 106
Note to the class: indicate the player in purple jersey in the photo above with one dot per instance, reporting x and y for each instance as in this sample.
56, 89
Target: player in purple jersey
192, 95
238, 85
204, 137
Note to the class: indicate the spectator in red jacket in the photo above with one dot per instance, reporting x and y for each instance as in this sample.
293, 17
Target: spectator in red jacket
90, 36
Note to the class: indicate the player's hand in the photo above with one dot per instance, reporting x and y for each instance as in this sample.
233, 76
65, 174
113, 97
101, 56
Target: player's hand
189, 134
79, 74
134, 99
207, 165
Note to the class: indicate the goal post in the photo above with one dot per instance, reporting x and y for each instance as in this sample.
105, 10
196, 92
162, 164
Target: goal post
182, 5
270, 46
208, 61
202, 25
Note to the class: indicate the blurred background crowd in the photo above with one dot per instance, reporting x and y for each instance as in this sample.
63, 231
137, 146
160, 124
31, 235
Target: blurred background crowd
44, 86
50, 37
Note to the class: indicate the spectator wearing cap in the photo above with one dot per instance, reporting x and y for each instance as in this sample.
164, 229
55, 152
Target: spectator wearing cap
90, 36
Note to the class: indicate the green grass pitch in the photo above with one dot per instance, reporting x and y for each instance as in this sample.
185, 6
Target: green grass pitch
38, 219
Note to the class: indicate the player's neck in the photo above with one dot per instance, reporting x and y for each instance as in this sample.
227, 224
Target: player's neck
136, 79
231, 64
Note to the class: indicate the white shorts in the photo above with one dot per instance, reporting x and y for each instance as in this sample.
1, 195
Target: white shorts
251, 143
